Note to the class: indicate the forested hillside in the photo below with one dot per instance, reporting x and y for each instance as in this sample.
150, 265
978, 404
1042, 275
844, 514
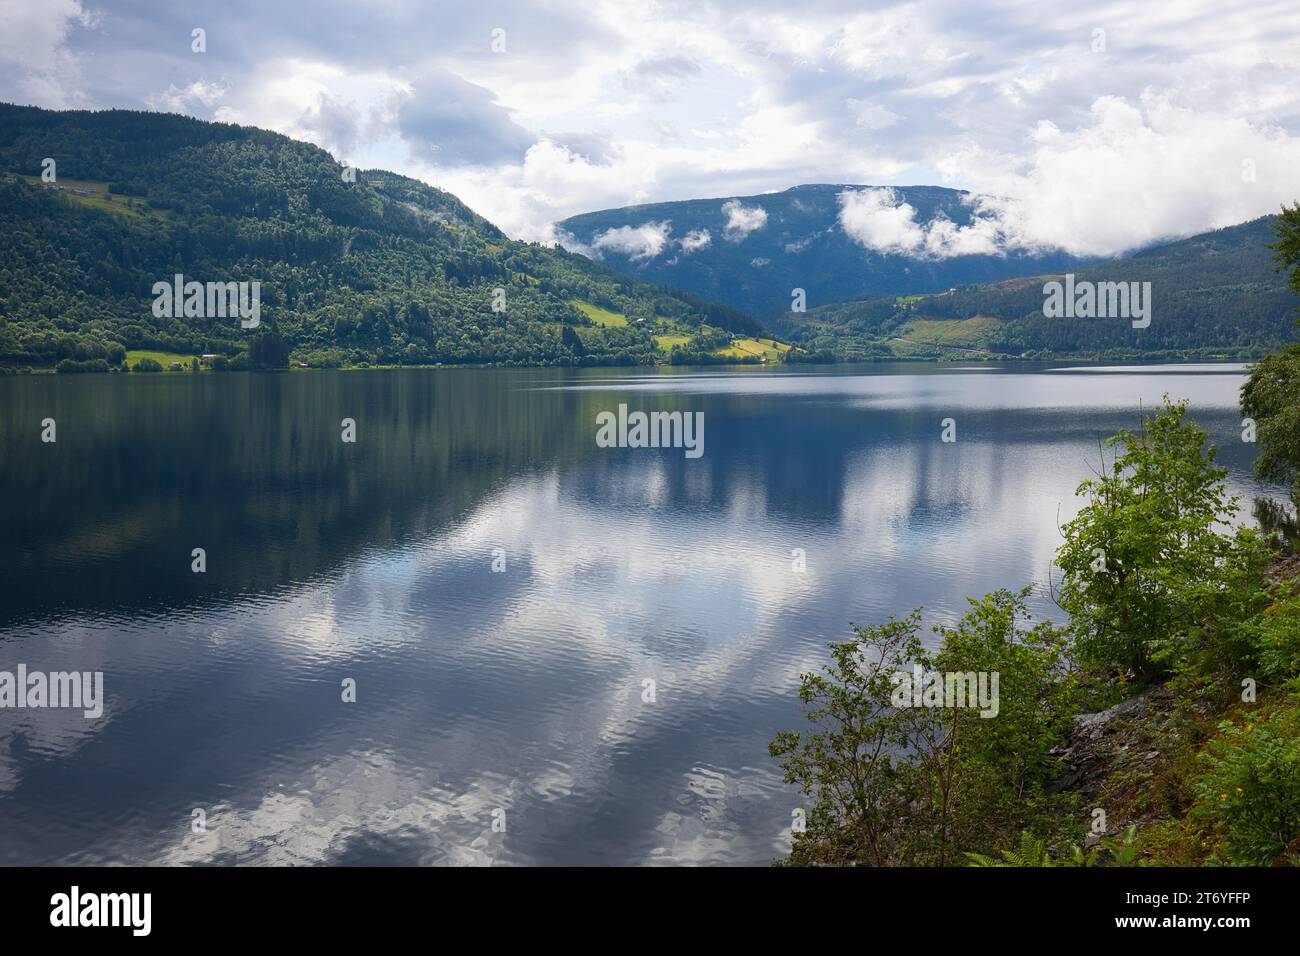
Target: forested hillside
1216, 295
370, 267
354, 269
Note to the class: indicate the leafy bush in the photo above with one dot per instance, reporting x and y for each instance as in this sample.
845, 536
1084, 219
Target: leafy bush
326, 358
847, 765
1271, 396
1249, 796
147, 365
910, 785
1146, 569
1156, 582
71, 366
1275, 634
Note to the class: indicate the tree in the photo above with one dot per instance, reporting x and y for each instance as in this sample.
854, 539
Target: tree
1286, 251
268, 350
847, 764
908, 782
570, 339
1271, 396
1144, 563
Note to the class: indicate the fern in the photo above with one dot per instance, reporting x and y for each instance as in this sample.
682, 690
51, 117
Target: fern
1032, 852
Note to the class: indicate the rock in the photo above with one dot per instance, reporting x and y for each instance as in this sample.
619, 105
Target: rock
1092, 726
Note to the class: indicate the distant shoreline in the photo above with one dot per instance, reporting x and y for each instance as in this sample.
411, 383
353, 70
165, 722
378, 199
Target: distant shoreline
991, 360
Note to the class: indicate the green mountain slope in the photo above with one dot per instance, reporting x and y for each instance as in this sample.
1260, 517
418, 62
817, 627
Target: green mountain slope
1215, 295
382, 269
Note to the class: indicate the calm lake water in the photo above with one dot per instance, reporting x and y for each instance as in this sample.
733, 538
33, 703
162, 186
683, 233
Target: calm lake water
477, 691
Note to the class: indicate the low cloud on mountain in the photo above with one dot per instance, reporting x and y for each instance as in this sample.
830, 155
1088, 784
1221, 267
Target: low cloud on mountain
880, 220
741, 221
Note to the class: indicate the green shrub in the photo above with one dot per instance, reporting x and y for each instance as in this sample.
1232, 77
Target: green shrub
326, 358
1277, 636
897, 783
1249, 796
72, 366
1147, 570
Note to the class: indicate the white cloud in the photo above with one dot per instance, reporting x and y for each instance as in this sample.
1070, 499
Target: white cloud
1133, 174
1129, 174
636, 242
871, 116
187, 100
601, 103
879, 220
696, 239
742, 220
36, 64
347, 113
551, 183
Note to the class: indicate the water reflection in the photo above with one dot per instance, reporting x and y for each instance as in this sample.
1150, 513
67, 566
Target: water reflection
520, 691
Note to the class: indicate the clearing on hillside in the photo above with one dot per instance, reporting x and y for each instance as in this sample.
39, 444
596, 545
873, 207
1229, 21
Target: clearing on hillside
598, 315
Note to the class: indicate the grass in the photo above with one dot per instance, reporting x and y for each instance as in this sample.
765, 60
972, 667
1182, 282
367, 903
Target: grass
667, 341
598, 315
970, 333
97, 196
763, 348
164, 359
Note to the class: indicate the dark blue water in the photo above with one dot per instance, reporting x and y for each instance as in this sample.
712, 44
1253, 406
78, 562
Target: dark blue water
481, 696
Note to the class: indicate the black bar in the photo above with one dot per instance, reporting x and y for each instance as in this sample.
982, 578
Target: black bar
332, 905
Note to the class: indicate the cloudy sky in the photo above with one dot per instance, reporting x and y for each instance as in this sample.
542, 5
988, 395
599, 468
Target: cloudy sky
1098, 126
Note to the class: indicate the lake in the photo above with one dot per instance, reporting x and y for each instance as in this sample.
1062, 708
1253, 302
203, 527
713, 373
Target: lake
500, 715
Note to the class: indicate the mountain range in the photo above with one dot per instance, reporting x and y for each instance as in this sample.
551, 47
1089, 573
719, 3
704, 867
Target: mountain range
923, 272
753, 251
368, 267
1213, 296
